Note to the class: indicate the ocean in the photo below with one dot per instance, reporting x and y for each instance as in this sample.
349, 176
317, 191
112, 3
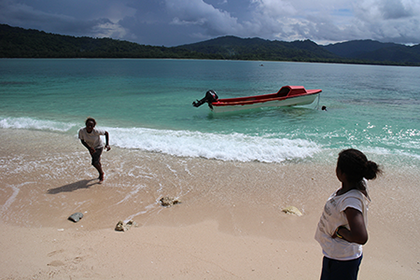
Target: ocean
236, 170
146, 104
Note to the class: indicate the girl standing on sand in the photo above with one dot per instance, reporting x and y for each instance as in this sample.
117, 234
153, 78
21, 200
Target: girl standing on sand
341, 229
90, 138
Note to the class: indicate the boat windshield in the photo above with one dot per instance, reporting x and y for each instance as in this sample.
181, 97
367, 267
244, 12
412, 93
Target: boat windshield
284, 91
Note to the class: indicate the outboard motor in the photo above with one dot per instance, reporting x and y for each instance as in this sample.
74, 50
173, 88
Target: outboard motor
211, 96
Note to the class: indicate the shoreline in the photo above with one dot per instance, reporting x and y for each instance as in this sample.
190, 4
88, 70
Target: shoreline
229, 224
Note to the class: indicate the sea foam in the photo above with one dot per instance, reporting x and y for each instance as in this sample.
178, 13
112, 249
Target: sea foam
30, 123
227, 147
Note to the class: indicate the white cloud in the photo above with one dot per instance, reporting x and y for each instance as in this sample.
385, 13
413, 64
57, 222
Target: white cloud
197, 12
176, 22
389, 20
24, 15
274, 8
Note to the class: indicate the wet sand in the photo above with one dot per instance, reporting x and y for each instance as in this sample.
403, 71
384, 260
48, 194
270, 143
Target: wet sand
228, 226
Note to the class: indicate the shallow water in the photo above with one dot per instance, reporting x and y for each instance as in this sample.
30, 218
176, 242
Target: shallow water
239, 169
146, 105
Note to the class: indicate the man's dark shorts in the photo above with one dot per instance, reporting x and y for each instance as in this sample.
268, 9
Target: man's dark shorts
96, 156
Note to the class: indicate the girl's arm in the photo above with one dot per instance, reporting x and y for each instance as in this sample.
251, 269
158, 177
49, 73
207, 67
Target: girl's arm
357, 232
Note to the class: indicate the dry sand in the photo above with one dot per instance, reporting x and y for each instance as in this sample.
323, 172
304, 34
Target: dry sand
228, 226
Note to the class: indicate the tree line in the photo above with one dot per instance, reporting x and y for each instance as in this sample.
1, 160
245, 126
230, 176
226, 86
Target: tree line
17, 42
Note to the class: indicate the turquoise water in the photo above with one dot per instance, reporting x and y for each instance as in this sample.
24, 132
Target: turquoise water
146, 104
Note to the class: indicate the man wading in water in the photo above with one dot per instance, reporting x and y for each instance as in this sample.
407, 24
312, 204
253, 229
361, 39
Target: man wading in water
90, 138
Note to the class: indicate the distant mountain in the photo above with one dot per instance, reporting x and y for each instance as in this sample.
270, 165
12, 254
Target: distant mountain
17, 42
370, 50
359, 51
352, 49
231, 47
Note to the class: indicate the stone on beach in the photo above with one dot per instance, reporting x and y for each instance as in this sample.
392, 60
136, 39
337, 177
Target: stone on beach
76, 217
169, 201
292, 210
124, 226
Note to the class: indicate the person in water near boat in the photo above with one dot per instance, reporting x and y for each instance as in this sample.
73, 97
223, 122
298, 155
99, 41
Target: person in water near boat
90, 138
342, 229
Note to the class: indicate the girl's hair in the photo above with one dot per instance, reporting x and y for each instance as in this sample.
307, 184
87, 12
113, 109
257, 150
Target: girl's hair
356, 166
90, 120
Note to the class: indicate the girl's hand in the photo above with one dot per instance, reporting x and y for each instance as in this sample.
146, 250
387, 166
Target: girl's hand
337, 234
356, 233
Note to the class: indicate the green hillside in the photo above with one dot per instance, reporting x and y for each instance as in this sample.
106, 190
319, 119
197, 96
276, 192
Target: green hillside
22, 43
376, 51
231, 47
17, 42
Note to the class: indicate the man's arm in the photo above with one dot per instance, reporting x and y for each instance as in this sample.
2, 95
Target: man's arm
91, 150
107, 147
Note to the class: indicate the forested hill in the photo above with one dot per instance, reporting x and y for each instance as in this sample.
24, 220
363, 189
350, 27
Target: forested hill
377, 51
360, 51
17, 42
258, 49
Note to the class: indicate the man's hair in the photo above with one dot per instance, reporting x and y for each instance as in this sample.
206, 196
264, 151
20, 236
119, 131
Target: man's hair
90, 120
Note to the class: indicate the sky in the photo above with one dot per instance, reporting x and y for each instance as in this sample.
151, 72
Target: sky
177, 22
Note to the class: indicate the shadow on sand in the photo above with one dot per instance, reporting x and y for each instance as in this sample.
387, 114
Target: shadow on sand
83, 184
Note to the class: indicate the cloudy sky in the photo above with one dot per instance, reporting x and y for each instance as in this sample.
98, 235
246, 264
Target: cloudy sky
176, 22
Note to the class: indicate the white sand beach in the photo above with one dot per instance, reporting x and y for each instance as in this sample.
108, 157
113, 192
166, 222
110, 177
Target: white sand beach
229, 224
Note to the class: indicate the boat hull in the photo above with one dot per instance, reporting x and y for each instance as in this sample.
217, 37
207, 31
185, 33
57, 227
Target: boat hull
220, 107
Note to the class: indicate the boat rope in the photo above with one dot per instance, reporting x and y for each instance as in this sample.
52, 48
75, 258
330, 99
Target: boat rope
317, 105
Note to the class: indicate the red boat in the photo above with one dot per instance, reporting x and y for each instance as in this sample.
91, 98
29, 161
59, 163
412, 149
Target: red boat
286, 96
